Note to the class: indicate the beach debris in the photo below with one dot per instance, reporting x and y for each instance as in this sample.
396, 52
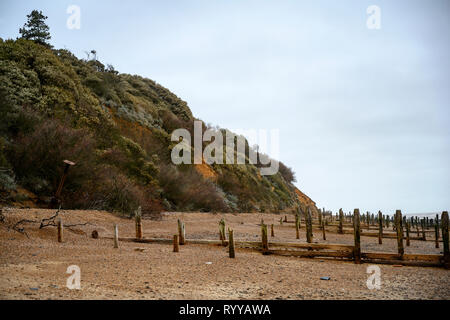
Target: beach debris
139, 249
209, 262
325, 278
94, 234
56, 199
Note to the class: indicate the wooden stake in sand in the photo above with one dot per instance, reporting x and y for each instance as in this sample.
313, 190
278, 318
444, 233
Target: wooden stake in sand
367, 220
264, 240
116, 236
341, 222
324, 236
399, 228
297, 226
176, 247
309, 234
436, 236
357, 236
424, 236
231, 243
285, 218
181, 232
60, 230
272, 233
417, 229
407, 234
138, 221
445, 238
222, 231
380, 227
320, 219
436, 231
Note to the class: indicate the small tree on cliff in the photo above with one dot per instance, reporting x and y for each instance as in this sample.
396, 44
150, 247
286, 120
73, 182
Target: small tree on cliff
35, 29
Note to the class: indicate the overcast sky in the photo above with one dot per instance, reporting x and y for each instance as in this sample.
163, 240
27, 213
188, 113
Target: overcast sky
363, 113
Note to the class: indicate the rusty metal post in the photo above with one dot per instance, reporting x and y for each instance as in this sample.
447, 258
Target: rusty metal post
56, 199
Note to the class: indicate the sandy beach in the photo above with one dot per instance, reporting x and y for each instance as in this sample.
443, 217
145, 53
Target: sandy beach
34, 267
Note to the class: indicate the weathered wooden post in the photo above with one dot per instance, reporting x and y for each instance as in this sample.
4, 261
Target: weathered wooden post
297, 226
399, 229
417, 229
367, 220
60, 230
176, 247
264, 240
388, 220
357, 237
116, 236
404, 223
281, 221
309, 234
341, 221
424, 236
231, 243
380, 227
407, 234
181, 232
285, 219
272, 233
138, 222
324, 236
445, 238
222, 231
436, 231
320, 218
436, 236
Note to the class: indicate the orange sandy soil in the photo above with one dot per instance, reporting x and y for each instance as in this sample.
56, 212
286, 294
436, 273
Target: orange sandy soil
197, 271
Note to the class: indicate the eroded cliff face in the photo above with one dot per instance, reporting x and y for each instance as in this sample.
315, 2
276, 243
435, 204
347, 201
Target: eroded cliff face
117, 128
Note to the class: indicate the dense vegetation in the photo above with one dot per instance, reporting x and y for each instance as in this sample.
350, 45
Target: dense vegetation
116, 127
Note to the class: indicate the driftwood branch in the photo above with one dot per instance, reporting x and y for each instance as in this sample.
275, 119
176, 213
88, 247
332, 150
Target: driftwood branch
50, 221
17, 226
46, 222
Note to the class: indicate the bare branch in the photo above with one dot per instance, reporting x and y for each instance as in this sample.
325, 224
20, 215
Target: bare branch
50, 221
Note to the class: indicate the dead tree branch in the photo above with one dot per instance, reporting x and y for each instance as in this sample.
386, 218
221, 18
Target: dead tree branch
17, 226
46, 222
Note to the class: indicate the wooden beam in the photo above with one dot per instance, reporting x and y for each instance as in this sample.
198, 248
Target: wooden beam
311, 254
406, 257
